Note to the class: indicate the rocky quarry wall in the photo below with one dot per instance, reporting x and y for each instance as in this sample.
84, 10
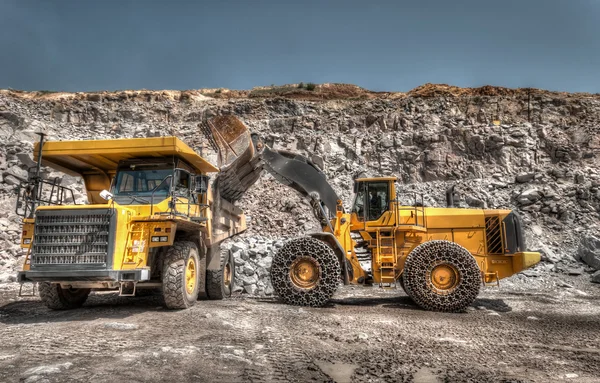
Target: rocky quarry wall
543, 159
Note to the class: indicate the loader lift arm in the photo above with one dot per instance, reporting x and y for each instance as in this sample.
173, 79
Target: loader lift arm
243, 156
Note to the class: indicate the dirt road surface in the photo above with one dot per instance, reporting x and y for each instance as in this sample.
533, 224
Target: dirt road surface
547, 330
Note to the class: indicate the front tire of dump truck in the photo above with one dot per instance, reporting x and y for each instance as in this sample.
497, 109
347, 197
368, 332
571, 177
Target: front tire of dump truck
57, 298
180, 275
305, 272
441, 276
220, 283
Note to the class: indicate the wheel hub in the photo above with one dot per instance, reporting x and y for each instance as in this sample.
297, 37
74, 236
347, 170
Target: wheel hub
190, 276
444, 277
304, 273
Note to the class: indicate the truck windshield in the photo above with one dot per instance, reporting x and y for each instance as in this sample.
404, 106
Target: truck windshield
141, 182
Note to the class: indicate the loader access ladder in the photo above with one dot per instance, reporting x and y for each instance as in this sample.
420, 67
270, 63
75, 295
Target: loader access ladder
387, 257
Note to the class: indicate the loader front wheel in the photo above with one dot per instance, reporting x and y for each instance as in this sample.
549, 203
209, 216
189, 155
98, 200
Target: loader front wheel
57, 298
441, 276
305, 272
180, 275
220, 283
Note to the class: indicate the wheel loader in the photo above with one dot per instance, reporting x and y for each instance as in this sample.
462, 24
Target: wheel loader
439, 256
151, 220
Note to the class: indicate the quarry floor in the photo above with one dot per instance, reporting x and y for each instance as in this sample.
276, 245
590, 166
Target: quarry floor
520, 333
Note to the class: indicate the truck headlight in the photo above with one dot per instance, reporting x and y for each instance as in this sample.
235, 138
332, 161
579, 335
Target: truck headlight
164, 239
155, 239
27, 241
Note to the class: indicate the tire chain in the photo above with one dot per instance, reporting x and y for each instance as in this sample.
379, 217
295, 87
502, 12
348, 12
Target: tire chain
329, 269
418, 284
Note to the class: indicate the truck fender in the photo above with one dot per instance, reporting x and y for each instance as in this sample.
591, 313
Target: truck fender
332, 241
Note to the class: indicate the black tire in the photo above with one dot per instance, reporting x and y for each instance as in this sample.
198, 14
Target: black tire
57, 298
458, 276
325, 274
176, 293
220, 283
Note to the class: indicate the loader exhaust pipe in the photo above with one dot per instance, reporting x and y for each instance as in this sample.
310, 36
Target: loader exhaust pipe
450, 196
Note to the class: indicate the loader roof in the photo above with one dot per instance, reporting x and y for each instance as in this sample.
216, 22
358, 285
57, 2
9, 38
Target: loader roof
77, 157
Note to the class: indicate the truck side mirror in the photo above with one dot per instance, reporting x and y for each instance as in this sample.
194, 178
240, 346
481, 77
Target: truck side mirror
202, 184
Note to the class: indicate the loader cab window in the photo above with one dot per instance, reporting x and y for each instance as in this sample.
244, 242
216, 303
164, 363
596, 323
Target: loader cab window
371, 201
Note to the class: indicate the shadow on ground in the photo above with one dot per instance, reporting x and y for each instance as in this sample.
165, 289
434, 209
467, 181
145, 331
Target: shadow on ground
108, 306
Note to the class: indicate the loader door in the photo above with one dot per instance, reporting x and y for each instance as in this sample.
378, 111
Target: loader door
372, 200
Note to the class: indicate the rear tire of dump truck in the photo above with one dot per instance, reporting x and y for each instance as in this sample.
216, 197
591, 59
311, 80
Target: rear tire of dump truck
441, 276
57, 298
180, 275
305, 272
220, 283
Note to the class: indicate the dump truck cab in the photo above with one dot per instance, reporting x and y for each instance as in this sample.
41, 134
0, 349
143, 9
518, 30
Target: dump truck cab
149, 208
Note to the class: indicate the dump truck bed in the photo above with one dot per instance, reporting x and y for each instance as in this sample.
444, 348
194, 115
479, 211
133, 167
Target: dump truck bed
79, 157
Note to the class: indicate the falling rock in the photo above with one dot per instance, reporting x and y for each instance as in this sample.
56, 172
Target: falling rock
11, 180
16, 172
239, 246
529, 196
251, 289
248, 280
548, 255
589, 251
575, 271
525, 177
121, 326
248, 270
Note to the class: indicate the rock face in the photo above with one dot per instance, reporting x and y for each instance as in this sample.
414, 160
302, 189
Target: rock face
541, 159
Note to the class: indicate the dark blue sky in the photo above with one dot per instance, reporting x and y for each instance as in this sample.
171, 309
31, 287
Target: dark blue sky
380, 45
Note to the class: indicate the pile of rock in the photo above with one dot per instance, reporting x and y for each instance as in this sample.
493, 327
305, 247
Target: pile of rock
589, 253
541, 160
252, 258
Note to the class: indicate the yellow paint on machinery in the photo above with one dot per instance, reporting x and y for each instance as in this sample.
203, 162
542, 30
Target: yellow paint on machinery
97, 160
140, 227
399, 229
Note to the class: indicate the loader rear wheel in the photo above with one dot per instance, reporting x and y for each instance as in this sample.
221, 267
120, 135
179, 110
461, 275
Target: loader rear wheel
57, 298
220, 283
180, 275
305, 272
441, 276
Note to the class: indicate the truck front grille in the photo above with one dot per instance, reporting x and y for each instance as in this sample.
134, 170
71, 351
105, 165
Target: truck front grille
73, 237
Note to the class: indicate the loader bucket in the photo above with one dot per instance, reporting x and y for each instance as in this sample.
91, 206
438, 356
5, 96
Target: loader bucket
239, 162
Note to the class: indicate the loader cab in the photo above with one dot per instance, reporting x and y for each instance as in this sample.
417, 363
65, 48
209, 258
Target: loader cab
372, 197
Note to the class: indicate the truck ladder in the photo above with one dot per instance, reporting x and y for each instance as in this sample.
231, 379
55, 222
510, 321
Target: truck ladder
387, 257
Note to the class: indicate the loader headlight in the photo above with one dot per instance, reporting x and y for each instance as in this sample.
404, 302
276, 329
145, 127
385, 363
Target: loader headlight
160, 239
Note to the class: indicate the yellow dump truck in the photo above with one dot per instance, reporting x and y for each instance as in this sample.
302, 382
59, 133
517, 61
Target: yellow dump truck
151, 221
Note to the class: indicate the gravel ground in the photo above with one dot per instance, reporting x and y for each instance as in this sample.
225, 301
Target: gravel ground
538, 330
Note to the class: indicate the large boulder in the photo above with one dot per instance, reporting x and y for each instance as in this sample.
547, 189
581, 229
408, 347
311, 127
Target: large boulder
589, 251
